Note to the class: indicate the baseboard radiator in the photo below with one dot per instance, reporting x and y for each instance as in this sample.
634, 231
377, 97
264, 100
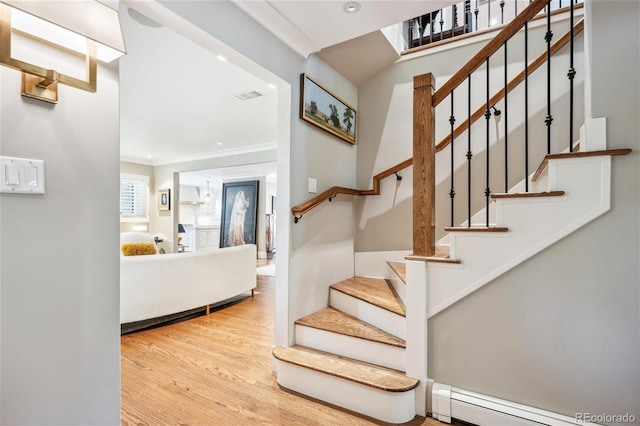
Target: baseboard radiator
448, 402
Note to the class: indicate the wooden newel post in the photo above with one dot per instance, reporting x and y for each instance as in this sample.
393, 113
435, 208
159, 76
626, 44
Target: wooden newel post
424, 156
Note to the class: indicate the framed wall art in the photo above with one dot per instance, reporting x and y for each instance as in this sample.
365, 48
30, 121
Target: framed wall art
320, 107
239, 216
164, 199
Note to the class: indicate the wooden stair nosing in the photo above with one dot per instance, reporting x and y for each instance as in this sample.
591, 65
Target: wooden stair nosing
372, 375
543, 165
400, 269
335, 321
476, 229
435, 259
442, 255
528, 194
350, 288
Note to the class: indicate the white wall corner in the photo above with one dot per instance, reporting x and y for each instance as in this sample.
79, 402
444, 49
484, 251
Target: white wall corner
416, 320
441, 402
593, 134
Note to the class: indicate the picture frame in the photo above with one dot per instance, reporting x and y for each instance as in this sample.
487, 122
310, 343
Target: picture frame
239, 216
321, 108
164, 199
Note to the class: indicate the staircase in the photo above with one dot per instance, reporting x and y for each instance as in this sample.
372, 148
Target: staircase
353, 353
367, 351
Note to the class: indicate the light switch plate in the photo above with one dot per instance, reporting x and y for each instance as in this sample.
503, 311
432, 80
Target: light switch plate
21, 175
313, 186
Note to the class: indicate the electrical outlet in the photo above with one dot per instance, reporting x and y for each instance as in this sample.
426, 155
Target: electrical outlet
313, 185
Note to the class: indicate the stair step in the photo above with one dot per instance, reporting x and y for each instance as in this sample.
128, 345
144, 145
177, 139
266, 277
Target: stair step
364, 373
400, 268
442, 255
335, 321
376, 291
476, 229
543, 165
528, 194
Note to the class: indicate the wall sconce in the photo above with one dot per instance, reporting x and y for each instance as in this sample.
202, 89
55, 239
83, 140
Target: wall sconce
88, 27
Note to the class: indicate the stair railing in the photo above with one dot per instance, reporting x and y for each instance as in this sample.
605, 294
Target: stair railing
465, 17
426, 98
331, 193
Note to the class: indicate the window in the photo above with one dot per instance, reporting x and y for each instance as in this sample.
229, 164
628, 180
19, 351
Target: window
134, 197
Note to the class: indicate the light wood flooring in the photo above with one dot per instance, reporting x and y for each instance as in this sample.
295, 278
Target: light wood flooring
217, 370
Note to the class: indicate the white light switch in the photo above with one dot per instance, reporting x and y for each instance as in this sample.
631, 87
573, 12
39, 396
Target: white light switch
21, 175
313, 186
12, 174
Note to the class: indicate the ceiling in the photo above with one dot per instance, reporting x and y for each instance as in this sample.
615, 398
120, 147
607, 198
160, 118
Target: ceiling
179, 101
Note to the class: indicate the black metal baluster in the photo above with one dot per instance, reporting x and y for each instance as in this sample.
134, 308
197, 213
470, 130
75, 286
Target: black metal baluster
410, 34
441, 24
502, 11
506, 121
468, 20
549, 119
488, 13
469, 153
526, 107
571, 75
516, 8
454, 20
452, 192
487, 116
476, 13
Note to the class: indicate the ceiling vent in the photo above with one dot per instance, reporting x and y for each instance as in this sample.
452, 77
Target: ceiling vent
249, 95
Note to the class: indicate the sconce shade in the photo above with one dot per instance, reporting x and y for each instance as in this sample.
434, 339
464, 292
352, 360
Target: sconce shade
69, 23
181, 229
84, 26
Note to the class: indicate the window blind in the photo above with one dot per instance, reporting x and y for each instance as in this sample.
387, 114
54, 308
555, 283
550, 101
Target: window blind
134, 196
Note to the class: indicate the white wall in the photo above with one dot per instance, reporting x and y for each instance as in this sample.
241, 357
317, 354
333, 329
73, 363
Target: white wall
59, 270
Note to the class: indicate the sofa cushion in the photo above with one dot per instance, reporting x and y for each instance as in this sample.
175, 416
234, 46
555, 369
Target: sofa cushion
135, 249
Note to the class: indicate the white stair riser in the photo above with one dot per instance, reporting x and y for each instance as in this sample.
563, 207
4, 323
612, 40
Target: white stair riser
393, 407
388, 321
352, 347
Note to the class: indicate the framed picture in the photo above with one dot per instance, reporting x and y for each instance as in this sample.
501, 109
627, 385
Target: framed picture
164, 199
239, 213
322, 108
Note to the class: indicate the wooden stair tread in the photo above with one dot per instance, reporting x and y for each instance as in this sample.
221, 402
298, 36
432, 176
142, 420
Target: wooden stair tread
364, 373
476, 229
442, 255
378, 292
528, 194
543, 165
400, 268
333, 320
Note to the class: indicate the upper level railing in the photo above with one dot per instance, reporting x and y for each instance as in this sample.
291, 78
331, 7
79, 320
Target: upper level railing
466, 17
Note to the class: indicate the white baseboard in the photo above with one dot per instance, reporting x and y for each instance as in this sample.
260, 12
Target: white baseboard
448, 402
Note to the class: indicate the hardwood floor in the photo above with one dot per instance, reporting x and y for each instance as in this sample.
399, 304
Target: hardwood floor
217, 370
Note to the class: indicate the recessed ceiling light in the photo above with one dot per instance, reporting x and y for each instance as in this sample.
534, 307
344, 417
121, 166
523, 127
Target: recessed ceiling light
149, 156
272, 86
219, 143
352, 7
222, 58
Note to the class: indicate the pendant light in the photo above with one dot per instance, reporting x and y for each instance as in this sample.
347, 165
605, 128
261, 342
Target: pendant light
207, 198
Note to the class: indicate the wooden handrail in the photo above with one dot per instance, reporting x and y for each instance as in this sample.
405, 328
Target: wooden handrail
489, 49
535, 64
330, 193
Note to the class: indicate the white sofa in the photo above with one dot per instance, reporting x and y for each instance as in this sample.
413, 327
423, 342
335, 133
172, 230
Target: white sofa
153, 286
